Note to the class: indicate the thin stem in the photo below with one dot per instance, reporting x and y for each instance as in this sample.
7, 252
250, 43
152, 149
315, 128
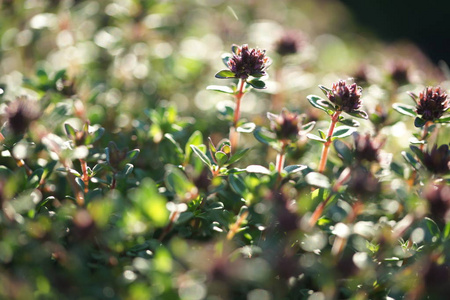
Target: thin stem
345, 175
235, 227
424, 134
281, 157
318, 211
21, 163
75, 187
113, 183
279, 162
169, 226
326, 145
234, 135
85, 176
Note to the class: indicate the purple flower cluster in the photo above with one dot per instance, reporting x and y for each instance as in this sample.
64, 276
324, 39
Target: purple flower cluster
432, 103
248, 62
345, 98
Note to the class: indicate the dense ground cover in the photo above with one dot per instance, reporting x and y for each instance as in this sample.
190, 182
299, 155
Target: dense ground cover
218, 150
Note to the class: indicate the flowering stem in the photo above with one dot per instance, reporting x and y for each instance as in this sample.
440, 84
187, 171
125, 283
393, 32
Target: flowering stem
424, 134
281, 156
234, 135
326, 145
85, 176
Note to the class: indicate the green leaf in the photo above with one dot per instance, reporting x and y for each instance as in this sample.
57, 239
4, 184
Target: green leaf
220, 88
294, 168
443, 119
308, 126
226, 57
237, 184
185, 217
150, 202
257, 169
170, 150
35, 178
59, 75
446, 232
397, 168
317, 180
417, 151
177, 182
212, 148
325, 90
416, 141
133, 154
432, 227
257, 84
224, 74
320, 103
43, 202
97, 168
359, 114
411, 160
195, 139
348, 122
344, 152
322, 134
238, 155
264, 136
315, 138
342, 131
95, 136
126, 170
246, 127
419, 122
70, 131
405, 109
201, 155
221, 158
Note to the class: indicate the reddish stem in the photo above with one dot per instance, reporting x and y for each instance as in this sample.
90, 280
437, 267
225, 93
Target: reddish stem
113, 183
85, 176
326, 145
280, 161
234, 135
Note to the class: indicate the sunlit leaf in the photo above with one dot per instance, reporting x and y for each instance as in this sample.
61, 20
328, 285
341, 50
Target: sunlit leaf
224, 74
201, 155
405, 109
317, 180
220, 88
257, 169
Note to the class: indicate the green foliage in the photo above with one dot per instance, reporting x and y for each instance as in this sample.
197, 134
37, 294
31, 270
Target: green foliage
128, 186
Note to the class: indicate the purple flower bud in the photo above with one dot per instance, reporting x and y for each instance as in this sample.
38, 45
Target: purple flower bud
248, 62
363, 183
285, 125
437, 161
290, 43
438, 197
432, 103
20, 113
366, 148
346, 98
